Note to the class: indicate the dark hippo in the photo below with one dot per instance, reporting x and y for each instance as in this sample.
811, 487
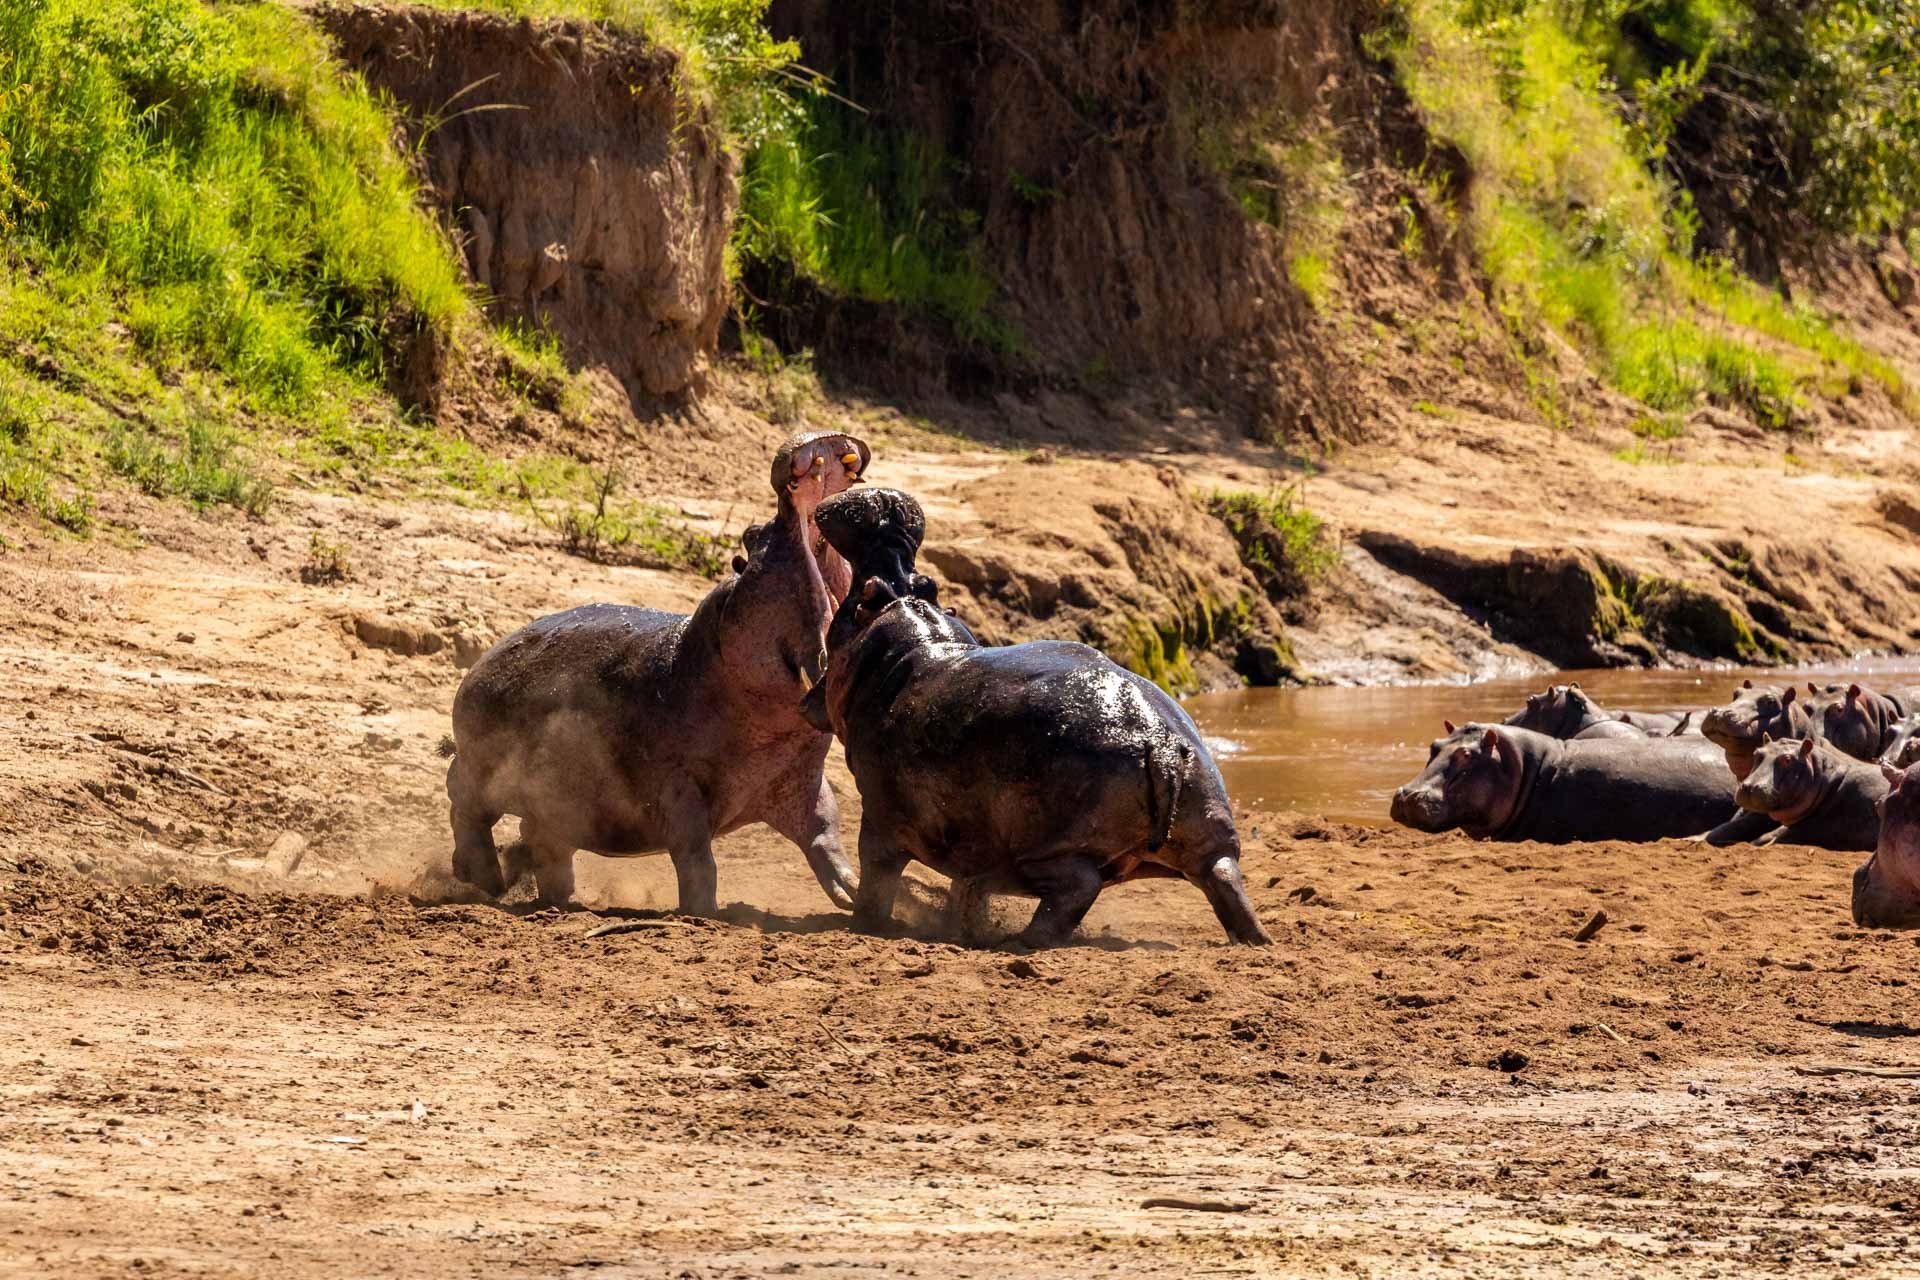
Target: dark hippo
1886, 890
1904, 750
1861, 722
1819, 796
623, 731
1567, 711
1502, 783
1757, 715
1040, 769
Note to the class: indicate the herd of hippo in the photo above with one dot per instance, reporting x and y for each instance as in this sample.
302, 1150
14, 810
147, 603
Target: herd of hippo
1038, 769
1044, 769
1836, 766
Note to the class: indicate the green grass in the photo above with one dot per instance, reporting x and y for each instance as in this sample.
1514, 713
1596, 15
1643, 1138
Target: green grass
1578, 234
1286, 545
867, 213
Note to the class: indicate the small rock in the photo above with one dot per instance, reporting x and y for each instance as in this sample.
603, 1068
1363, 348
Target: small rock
184, 637
1023, 968
1510, 1060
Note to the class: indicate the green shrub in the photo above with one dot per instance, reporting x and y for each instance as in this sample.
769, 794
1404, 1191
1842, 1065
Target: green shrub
867, 213
1286, 545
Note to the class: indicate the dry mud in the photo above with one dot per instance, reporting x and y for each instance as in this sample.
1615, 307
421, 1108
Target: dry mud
249, 1035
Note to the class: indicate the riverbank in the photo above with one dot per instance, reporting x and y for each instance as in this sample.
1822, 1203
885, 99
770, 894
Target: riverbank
1426, 1071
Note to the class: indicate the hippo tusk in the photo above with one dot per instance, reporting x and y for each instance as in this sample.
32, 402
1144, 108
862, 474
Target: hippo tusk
851, 461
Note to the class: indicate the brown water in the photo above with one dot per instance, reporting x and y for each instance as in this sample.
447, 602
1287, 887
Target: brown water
1340, 752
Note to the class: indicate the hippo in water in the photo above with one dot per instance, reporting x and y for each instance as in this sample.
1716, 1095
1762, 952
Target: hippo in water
1568, 711
1819, 796
622, 730
1565, 711
1886, 890
1039, 769
1861, 722
1502, 783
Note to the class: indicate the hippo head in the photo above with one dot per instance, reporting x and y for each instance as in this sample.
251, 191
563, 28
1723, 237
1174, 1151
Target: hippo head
1858, 722
878, 531
1904, 750
1785, 780
1560, 712
1474, 780
1756, 714
1886, 891
809, 468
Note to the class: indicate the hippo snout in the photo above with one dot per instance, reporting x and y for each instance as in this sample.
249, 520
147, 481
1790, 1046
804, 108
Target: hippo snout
1419, 808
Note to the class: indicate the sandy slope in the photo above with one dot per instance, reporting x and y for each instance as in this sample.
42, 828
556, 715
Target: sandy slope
775, 1094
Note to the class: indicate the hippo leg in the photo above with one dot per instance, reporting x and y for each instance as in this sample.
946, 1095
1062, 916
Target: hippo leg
968, 900
1227, 892
1066, 887
690, 845
1741, 828
475, 860
552, 870
814, 825
881, 866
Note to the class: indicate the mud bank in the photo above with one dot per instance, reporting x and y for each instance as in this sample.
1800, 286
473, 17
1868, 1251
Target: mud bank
592, 196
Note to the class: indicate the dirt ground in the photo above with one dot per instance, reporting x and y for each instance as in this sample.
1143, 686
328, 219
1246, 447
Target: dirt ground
244, 1039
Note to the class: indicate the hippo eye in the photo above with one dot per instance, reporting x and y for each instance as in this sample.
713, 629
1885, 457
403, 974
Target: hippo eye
1769, 704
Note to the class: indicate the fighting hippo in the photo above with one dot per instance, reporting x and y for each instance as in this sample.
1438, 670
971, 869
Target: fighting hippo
623, 731
1502, 783
1819, 796
1886, 890
1039, 769
1861, 722
1757, 715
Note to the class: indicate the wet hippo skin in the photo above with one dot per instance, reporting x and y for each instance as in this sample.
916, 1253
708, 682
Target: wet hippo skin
623, 730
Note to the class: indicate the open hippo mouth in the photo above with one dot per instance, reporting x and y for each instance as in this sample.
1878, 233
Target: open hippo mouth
809, 469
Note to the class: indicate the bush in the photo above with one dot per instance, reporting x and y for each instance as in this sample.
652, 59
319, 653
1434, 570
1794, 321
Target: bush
866, 213
1284, 544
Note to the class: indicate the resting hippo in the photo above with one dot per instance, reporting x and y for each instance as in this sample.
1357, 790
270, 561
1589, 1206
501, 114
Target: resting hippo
1040, 769
1817, 795
1565, 711
1886, 891
626, 731
1861, 722
1757, 714
1501, 783
1904, 750
1568, 711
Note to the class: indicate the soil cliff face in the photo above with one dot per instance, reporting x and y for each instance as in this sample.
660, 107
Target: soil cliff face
1120, 250
592, 196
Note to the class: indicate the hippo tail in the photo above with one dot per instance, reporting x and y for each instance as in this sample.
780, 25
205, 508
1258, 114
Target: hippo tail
1166, 764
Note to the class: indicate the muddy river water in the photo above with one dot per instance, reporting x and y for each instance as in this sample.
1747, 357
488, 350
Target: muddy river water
1340, 752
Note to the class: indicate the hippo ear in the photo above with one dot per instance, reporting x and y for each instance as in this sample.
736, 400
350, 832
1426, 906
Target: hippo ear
1746, 684
739, 564
1806, 748
1449, 727
1788, 695
1853, 693
1490, 740
1893, 774
1766, 735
